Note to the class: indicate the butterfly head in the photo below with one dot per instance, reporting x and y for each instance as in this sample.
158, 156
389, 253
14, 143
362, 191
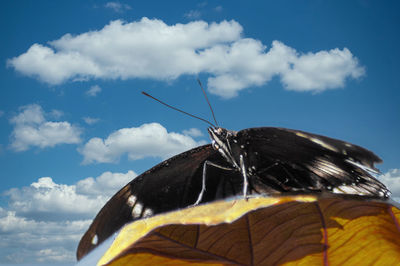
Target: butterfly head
220, 140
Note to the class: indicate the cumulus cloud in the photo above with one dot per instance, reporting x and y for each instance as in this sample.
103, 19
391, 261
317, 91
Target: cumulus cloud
32, 129
148, 140
90, 120
149, 48
192, 14
45, 199
193, 132
320, 71
56, 114
45, 221
117, 6
392, 180
106, 184
93, 91
29, 241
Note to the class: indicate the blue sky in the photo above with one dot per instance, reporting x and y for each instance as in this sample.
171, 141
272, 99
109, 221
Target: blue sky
75, 127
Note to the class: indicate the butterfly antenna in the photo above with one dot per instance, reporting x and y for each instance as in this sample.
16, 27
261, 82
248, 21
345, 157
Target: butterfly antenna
205, 95
179, 110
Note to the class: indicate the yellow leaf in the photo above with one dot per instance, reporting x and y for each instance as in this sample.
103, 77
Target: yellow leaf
299, 230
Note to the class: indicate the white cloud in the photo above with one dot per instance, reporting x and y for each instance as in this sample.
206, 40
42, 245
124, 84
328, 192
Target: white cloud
149, 48
30, 241
46, 199
321, 71
106, 184
117, 6
192, 14
93, 91
193, 132
148, 140
90, 120
392, 180
32, 129
56, 113
45, 221
1, 113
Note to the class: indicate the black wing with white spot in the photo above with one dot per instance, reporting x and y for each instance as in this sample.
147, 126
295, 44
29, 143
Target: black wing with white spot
278, 161
284, 160
172, 184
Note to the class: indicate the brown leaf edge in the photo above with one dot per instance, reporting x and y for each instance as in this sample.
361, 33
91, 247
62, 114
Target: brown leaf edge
264, 231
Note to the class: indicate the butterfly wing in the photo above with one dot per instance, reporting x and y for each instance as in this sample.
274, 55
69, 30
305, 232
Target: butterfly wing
279, 160
285, 160
172, 184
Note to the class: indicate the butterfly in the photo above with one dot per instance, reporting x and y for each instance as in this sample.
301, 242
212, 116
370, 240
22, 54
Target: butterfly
271, 160
255, 161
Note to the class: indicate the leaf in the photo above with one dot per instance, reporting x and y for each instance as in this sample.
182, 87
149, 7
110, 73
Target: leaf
301, 230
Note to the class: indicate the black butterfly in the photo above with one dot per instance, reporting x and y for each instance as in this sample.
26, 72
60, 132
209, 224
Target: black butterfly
266, 160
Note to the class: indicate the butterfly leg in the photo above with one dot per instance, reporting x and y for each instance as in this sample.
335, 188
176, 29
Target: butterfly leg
245, 180
203, 186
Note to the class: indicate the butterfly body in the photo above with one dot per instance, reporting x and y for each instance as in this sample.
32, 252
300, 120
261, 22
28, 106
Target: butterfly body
266, 160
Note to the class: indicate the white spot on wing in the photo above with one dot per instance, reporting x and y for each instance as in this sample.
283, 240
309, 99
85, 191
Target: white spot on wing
148, 212
137, 210
95, 240
349, 189
302, 135
317, 141
131, 201
324, 144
